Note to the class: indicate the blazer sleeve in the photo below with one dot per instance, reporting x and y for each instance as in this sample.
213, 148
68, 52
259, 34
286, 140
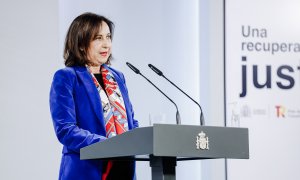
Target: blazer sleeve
62, 107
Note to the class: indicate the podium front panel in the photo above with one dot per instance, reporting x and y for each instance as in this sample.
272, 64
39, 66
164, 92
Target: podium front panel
180, 141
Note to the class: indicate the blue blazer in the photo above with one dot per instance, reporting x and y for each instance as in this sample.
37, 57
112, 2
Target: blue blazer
78, 120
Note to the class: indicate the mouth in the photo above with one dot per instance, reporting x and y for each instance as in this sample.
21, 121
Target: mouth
103, 54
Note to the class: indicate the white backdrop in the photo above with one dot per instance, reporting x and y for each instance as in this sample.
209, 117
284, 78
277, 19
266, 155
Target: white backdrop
262, 86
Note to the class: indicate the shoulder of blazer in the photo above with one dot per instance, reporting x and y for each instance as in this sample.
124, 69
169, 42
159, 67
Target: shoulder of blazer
67, 72
67, 75
72, 70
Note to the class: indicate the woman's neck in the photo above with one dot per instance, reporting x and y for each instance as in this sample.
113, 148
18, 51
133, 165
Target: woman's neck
95, 69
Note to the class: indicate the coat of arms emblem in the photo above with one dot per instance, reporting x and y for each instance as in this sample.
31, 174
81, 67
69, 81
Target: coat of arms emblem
202, 141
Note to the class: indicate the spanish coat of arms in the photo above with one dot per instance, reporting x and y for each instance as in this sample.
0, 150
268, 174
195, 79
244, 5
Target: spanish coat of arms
202, 141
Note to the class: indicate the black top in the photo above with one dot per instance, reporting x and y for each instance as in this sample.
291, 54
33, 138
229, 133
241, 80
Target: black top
99, 79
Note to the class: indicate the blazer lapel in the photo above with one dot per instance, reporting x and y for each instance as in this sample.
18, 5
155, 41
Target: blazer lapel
91, 89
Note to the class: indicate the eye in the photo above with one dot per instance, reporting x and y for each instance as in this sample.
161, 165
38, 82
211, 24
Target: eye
108, 36
98, 38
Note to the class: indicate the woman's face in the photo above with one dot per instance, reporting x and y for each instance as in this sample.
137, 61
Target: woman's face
100, 48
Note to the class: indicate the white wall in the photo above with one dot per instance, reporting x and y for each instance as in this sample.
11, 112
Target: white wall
164, 33
28, 58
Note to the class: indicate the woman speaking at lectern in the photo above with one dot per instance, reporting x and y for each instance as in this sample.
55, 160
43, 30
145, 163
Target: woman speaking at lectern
89, 101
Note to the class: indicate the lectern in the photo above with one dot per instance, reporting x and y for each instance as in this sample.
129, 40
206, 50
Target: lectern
164, 144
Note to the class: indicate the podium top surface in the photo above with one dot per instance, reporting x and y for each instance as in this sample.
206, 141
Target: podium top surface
181, 141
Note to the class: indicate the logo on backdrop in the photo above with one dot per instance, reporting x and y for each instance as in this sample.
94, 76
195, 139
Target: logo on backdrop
245, 111
280, 111
238, 112
284, 112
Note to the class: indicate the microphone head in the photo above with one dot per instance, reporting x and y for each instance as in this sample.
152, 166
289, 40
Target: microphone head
157, 71
133, 68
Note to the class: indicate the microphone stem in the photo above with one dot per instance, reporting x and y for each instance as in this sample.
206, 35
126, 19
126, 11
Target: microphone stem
162, 93
201, 115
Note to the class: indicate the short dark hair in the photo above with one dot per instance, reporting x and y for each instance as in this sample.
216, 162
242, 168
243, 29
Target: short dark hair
82, 31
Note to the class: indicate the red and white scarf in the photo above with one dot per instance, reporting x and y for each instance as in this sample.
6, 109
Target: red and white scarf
112, 103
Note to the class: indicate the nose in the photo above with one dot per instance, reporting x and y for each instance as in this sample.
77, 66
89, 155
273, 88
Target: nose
106, 43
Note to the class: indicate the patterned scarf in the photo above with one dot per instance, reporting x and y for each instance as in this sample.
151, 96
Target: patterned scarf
112, 103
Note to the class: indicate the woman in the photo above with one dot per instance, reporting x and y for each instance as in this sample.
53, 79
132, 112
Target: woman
89, 100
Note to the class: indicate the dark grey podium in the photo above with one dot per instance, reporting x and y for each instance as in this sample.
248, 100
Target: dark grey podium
163, 145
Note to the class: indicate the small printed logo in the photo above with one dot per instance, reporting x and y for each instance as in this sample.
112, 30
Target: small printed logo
280, 111
202, 141
245, 111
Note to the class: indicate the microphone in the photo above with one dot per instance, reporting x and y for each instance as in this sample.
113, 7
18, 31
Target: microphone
157, 71
178, 119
